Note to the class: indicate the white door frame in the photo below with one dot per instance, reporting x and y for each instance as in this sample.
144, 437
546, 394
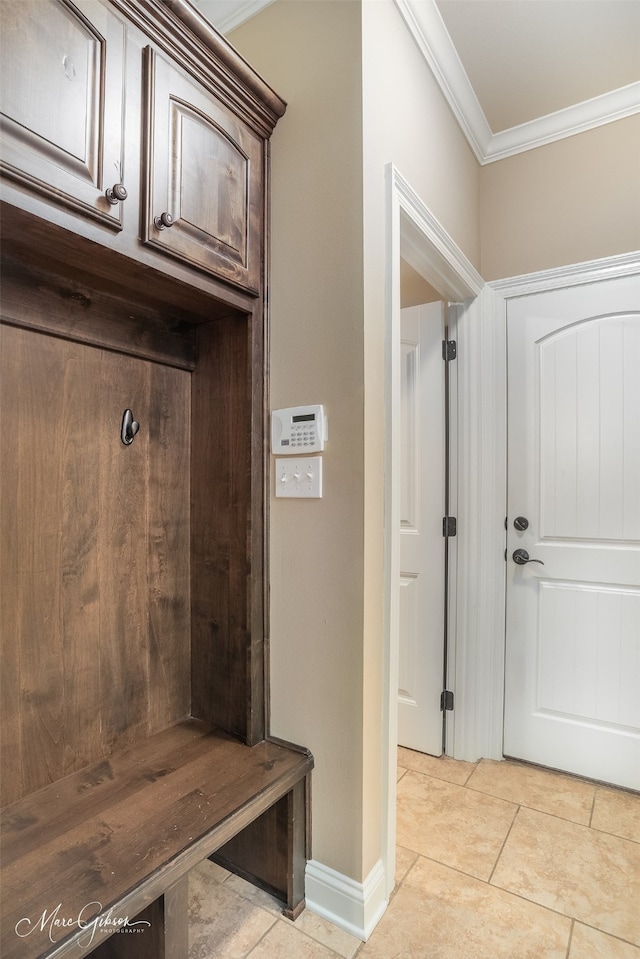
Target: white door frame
413, 232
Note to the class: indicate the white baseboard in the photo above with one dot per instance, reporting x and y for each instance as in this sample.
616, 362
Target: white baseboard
356, 907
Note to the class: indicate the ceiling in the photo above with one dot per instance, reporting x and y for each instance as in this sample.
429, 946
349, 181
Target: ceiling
517, 73
528, 58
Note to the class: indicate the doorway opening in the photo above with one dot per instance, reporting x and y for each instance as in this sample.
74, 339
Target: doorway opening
427, 514
417, 238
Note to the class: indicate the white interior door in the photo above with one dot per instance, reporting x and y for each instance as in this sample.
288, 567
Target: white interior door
572, 681
422, 580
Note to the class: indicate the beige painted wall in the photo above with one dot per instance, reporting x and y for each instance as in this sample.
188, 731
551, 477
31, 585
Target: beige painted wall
414, 289
309, 52
327, 345
571, 201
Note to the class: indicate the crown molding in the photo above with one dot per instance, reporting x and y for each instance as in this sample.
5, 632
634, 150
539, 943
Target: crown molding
432, 37
587, 115
242, 10
423, 19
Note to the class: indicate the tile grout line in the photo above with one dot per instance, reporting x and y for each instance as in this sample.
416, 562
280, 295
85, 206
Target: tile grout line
298, 932
611, 935
475, 768
571, 928
542, 812
265, 933
504, 842
516, 895
593, 807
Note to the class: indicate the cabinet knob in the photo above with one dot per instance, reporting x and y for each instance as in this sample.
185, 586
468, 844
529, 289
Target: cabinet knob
165, 219
116, 193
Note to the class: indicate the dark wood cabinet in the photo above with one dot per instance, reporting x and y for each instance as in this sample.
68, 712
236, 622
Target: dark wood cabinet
203, 169
62, 124
135, 136
134, 733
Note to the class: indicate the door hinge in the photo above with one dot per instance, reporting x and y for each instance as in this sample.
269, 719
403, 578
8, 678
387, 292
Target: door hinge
449, 350
449, 526
446, 699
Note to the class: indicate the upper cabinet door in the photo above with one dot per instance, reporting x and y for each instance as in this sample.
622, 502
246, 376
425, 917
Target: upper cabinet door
204, 179
62, 119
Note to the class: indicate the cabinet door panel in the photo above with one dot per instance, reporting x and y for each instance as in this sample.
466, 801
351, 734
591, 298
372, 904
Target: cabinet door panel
62, 120
205, 170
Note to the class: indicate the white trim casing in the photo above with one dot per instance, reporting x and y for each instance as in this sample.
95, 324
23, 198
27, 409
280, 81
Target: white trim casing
481, 447
428, 248
356, 907
590, 271
414, 233
427, 27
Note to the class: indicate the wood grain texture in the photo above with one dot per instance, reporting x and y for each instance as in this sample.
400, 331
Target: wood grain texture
128, 834
220, 527
78, 520
63, 123
272, 851
10, 588
168, 544
266, 97
205, 168
42, 238
122, 491
110, 553
144, 939
44, 375
71, 307
95, 555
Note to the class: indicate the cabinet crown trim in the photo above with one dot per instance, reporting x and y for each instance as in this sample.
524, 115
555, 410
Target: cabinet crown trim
217, 47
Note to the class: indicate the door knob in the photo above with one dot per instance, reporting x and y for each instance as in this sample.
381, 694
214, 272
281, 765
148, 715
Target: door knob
521, 558
162, 221
116, 193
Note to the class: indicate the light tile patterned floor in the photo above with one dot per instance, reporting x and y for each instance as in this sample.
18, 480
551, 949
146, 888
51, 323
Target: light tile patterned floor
495, 859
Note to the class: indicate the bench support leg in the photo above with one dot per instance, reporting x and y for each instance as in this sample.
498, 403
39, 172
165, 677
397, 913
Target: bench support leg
166, 936
299, 834
176, 920
272, 851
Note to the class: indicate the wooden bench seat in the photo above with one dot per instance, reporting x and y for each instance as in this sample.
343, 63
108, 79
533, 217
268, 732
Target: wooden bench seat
119, 837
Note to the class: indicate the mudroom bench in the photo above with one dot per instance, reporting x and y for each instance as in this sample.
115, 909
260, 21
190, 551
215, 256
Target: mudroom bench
99, 860
134, 481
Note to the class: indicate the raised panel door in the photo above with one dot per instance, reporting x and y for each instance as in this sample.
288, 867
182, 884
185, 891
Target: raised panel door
62, 120
422, 506
573, 612
204, 178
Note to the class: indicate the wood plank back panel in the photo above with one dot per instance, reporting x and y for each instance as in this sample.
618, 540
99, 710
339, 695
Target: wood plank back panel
168, 539
95, 558
221, 526
10, 725
122, 569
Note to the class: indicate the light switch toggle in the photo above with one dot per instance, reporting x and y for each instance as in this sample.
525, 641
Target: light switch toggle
299, 478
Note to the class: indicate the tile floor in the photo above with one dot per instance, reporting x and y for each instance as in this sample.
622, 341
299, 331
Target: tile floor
495, 860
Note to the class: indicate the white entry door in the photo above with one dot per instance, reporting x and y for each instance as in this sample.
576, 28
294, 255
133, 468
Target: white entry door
572, 681
422, 580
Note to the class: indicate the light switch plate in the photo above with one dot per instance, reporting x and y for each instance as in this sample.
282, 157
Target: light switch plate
299, 478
